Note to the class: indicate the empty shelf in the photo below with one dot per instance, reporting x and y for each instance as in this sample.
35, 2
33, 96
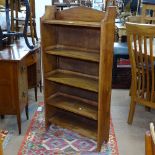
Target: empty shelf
76, 106
83, 55
78, 124
73, 23
74, 79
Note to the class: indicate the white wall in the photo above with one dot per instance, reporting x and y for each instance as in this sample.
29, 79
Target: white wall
40, 10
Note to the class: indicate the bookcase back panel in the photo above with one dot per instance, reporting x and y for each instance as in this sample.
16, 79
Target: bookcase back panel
49, 31
79, 37
93, 97
85, 67
76, 123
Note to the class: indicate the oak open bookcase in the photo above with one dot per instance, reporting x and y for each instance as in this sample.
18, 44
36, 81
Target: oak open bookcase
77, 50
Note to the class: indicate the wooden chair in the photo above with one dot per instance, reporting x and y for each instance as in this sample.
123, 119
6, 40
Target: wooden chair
148, 11
29, 20
33, 21
150, 141
141, 48
109, 3
12, 27
146, 15
1, 148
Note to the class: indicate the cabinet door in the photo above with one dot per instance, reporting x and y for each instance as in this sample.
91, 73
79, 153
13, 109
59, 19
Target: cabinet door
8, 87
22, 84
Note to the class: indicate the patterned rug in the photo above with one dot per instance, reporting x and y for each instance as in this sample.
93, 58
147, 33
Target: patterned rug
60, 141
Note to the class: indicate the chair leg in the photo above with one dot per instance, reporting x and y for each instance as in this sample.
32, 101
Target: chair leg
130, 88
35, 91
27, 111
19, 122
114, 68
40, 86
2, 116
35, 31
147, 108
132, 111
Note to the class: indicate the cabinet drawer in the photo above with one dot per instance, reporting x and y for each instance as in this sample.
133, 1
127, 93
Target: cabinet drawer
31, 59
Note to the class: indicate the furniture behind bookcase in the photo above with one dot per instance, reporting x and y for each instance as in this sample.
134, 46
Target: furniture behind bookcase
77, 50
18, 72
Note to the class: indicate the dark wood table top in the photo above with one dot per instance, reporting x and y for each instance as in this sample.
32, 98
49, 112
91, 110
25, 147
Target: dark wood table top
63, 5
15, 51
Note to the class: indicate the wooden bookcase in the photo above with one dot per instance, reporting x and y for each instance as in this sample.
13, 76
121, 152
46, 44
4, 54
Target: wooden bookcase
77, 50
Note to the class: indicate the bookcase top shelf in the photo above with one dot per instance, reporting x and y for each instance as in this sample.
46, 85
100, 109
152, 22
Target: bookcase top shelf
73, 23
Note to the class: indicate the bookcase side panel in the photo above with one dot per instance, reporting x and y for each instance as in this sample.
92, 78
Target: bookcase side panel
48, 40
105, 76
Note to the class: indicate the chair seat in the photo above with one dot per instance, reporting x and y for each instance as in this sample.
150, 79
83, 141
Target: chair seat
121, 50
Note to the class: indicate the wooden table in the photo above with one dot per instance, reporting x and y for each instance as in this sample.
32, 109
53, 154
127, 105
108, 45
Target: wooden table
33, 62
65, 5
15, 60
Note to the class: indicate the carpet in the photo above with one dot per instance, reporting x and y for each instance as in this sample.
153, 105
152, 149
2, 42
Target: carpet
60, 141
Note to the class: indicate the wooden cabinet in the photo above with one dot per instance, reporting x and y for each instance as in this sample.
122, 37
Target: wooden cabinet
13, 86
33, 61
19, 67
77, 50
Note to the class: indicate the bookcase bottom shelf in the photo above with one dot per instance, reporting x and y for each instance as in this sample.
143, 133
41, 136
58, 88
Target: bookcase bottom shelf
75, 123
